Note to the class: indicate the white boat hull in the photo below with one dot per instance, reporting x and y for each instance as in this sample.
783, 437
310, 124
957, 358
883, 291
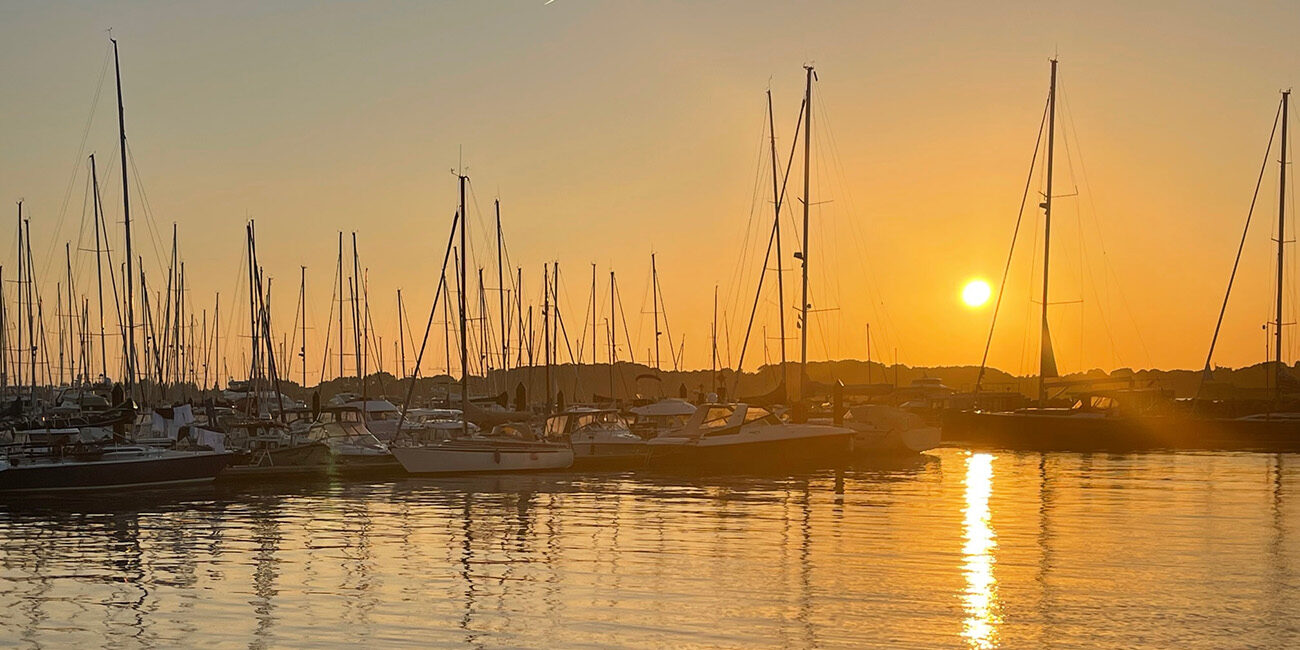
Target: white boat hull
468, 457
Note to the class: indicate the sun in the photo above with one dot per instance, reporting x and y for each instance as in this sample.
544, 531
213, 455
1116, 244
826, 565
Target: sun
976, 293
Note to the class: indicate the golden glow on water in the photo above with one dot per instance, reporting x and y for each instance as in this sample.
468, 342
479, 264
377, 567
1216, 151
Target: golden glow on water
1089, 551
980, 598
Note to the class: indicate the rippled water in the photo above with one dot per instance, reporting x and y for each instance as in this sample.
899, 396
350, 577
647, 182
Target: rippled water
954, 550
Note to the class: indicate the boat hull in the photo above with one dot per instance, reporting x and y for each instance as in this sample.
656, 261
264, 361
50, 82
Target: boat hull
369, 464
164, 468
831, 449
608, 455
298, 460
453, 457
1017, 431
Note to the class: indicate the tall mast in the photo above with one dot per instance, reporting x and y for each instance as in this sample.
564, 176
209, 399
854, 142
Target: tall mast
446, 320
355, 285
32, 304
713, 368
302, 299
216, 340
483, 330
519, 312
1281, 241
546, 330
4, 339
126, 220
1044, 355
807, 201
613, 349
501, 295
593, 322
401, 335
464, 344
72, 372
776, 225
654, 297
19, 295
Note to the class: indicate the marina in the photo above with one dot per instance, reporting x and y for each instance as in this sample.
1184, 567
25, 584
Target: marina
565, 325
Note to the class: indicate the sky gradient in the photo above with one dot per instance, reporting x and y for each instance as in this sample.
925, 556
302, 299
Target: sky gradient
611, 130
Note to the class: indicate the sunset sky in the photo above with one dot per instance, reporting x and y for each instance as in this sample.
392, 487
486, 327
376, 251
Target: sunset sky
613, 129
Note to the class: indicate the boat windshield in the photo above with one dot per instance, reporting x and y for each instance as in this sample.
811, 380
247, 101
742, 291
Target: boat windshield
760, 415
601, 421
716, 418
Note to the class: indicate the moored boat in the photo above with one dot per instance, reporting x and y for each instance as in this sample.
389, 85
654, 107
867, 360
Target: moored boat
601, 438
508, 448
101, 467
738, 437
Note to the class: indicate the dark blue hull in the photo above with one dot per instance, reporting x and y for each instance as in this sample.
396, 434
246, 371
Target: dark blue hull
24, 475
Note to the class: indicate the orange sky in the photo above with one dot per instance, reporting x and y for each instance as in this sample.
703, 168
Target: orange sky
610, 130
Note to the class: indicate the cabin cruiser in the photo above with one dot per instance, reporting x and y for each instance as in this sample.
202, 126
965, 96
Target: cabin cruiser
263, 447
353, 448
740, 436
509, 447
881, 430
380, 415
435, 424
600, 438
649, 420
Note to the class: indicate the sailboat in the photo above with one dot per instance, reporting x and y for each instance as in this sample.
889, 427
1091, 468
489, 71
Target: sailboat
741, 436
1130, 419
1092, 422
92, 457
507, 448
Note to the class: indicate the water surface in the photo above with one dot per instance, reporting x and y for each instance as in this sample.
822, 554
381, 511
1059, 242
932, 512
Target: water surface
952, 550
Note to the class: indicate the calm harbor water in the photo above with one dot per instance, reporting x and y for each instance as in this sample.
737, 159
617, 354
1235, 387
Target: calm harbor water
953, 550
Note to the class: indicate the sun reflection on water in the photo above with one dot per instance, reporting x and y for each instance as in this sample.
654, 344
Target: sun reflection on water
980, 628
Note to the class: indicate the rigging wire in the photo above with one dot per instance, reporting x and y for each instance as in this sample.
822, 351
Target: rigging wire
1015, 233
1209, 356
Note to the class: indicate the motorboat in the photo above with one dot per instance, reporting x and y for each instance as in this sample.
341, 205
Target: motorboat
353, 448
264, 448
734, 437
881, 430
600, 438
649, 420
380, 415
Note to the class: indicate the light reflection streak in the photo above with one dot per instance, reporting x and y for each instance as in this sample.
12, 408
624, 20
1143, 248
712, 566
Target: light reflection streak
980, 598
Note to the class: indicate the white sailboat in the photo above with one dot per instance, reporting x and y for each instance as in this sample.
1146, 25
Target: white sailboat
508, 448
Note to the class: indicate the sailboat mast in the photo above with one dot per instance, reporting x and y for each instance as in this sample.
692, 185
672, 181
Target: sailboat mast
803, 256
1281, 246
126, 220
464, 340
1047, 238
613, 323
519, 313
4, 339
713, 368
546, 330
401, 334
216, 342
354, 285
501, 295
302, 305
776, 225
654, 291
19, 295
